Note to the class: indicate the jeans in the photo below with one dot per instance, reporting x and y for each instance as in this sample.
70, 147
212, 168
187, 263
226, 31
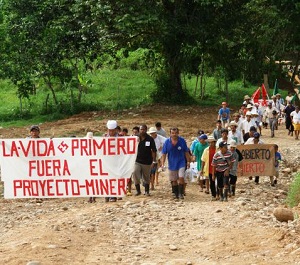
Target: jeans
273, 122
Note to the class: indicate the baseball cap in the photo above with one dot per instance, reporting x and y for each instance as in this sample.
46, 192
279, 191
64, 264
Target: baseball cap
203, 137
89, 135
111, 124
256, 135
222, 144
252, 129
34, 127
152, 130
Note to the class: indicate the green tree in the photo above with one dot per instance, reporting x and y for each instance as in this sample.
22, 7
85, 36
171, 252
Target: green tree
49, 42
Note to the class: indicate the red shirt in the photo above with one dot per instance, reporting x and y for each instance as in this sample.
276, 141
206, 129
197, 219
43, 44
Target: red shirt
212, 151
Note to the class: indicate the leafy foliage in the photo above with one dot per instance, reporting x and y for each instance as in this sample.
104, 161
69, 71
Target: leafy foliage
55, 43
293, 197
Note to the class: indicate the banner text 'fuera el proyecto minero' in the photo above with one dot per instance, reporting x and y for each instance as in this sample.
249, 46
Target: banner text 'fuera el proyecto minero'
67, 167
258, 160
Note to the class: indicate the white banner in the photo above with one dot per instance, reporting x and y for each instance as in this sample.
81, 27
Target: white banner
67, 167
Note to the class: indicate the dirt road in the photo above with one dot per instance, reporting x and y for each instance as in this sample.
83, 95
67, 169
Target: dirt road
156, 229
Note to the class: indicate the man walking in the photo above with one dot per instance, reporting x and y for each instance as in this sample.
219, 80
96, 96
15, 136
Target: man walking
145, 160
178, 157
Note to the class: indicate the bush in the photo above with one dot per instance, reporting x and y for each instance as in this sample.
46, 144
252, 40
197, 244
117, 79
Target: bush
293, 197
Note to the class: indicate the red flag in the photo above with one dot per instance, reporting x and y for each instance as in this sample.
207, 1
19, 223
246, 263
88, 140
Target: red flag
265, 95
264, 92
256, 95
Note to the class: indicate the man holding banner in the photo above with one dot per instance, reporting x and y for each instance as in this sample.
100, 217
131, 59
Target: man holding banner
258, 159
145, 160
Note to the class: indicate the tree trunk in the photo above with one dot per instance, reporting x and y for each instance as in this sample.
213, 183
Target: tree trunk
49, 84
173, 69
201, 79
226, 89
196, 86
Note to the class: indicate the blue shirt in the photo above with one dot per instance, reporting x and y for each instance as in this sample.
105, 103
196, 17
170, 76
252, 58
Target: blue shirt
224, 113
277, 159
176, 153
193, 144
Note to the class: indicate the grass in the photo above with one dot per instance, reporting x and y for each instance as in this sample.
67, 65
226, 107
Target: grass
293, 197
107, 90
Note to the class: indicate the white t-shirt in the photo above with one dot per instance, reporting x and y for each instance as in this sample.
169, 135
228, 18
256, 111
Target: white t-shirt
288, 99
296, 117
246, 125
251, 141
159, 142
237, 136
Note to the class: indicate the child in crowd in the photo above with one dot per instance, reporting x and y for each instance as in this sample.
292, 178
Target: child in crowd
277, 160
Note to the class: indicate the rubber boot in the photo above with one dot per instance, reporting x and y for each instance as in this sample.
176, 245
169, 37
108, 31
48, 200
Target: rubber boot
138, 189
233, 190
221, 194
181, 191
176, 191
147, 186
173, 191
225, 195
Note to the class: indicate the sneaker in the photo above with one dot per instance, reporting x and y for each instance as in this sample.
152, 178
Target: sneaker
213, 199
147, 194
181, 196
225, 200
112, 199
138, 194
128, 193
221, 199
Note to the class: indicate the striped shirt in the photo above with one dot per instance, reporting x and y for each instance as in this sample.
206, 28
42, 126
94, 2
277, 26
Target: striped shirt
222, 161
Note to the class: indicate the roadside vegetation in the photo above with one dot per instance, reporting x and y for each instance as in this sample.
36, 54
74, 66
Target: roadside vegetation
106, 89
66, 56
293, 198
